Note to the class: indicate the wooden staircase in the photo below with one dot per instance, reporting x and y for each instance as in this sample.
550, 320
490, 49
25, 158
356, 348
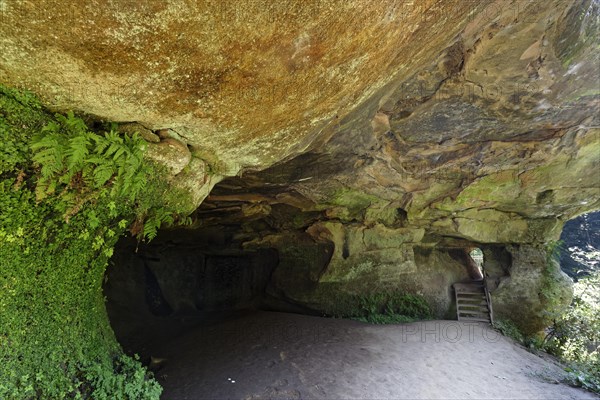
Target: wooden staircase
473, 302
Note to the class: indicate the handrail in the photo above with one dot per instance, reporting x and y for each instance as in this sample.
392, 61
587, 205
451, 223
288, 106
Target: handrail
488, 298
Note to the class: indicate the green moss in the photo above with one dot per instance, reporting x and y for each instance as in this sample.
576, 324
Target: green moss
386, 215
386, 307
354, 201
499, 187
508, 328
66, 195
551, 288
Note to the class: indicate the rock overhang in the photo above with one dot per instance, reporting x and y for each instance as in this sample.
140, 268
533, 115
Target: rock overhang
460, 123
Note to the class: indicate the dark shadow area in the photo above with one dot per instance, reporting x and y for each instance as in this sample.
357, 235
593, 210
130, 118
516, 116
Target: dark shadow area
181, 279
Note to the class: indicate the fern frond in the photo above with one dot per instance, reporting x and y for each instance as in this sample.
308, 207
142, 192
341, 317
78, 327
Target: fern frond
151, 226
103, 173
51, 127
112, 149
100, 144
78, 151
120, 152
74, 124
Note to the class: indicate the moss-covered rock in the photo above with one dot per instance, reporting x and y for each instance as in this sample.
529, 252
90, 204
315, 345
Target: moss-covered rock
535, 292
66, 194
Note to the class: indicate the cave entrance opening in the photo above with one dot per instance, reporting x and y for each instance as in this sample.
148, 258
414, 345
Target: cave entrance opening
181, 280
476, 255
473, 301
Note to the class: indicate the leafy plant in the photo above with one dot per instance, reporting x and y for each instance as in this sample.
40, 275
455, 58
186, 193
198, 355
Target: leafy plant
66, 194
79, 167
129, 378
574, 336
508, 328
389, 307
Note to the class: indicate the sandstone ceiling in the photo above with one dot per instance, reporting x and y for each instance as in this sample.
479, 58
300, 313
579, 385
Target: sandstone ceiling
449, 114
250, 82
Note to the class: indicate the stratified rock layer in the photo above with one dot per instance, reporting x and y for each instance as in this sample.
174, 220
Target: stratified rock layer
371, 141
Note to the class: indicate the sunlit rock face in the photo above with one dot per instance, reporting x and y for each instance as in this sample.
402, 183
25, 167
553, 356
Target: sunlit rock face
366, 142
247, 82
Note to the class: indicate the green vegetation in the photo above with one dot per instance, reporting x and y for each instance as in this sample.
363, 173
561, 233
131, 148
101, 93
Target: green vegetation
66, 194
356, 202
574, 336
391, 307
509, 329
550, 291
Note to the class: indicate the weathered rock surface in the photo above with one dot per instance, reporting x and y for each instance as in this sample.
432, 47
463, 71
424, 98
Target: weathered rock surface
252, 82
370, 141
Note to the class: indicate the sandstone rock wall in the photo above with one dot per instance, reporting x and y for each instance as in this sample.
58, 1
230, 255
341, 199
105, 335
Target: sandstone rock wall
364, 141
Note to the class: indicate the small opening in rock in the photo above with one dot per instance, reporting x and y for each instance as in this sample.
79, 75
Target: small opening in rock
477, 256
401, 215
544, 197
403, 114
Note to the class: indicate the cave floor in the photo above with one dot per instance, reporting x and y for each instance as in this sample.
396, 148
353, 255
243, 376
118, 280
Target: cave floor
276, 356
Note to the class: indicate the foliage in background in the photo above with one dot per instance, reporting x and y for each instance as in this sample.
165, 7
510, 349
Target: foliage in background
551, 288
574, 336
508, 328
66, 194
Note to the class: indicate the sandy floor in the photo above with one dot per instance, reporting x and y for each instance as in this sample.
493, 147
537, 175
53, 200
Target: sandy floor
278, 356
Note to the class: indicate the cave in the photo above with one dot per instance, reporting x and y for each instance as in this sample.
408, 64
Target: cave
180, 278
250, 252
261, 192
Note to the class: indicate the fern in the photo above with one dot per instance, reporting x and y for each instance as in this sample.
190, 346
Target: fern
50, 154
100, 144
78, 151
102, 173
155, 221
80, 166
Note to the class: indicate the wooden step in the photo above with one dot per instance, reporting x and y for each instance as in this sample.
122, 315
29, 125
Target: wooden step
478, 316
481, 301
470, 295
472, 312
473, 315
473, 319
472, 308
472, 302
